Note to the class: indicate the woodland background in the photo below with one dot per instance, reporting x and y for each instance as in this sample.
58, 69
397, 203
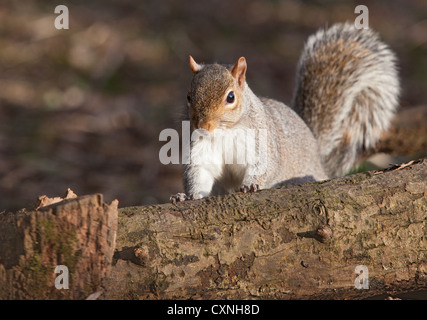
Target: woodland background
83, 108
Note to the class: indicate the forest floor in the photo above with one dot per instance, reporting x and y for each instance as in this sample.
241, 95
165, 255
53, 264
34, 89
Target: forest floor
83, 108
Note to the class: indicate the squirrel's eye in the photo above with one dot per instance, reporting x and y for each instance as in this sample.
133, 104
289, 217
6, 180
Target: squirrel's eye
230, 97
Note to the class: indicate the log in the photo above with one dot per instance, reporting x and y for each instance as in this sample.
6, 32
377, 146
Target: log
297, 242
78, 233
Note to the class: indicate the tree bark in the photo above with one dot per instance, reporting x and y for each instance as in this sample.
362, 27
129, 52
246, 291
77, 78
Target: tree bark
79, 234
295, 242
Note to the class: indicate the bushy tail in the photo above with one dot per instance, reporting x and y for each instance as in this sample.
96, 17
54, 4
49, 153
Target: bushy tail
347, 92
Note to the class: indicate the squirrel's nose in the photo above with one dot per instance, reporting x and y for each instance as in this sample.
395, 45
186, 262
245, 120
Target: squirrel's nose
206, 125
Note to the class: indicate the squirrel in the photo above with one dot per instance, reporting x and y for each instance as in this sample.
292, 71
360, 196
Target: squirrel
347, 92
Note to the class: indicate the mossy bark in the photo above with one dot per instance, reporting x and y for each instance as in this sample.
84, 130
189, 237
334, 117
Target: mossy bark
76, 233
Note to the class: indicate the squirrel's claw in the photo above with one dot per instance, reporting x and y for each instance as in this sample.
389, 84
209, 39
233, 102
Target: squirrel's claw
179, 197
251, 188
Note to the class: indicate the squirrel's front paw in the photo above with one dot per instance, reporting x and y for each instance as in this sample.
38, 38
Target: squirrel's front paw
251, 188
180, 197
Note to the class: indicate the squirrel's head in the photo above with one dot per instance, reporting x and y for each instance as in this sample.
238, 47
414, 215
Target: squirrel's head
216, 93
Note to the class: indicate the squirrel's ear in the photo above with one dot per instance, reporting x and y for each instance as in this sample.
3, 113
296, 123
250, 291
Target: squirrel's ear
195, 67
239, 71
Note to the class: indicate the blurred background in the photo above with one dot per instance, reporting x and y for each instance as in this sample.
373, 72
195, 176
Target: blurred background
83, 108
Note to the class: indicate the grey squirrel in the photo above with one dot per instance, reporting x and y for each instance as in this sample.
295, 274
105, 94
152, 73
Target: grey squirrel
347, 90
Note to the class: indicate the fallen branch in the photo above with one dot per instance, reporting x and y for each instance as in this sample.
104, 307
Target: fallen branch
296, 242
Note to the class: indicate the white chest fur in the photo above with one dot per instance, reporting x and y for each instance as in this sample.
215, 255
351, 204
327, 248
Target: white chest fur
226, 157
